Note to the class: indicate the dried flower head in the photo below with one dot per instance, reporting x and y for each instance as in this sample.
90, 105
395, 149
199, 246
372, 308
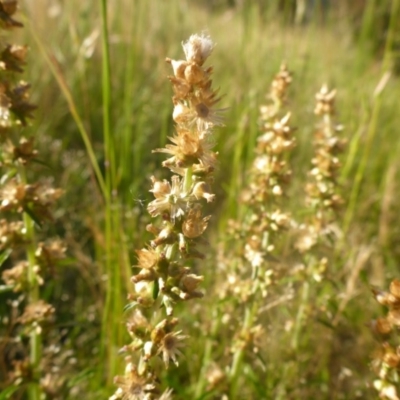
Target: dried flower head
170, 198
38, 312
169, 347
132, 385
7, 9
17, 276
325, 101
386, 361
198, 48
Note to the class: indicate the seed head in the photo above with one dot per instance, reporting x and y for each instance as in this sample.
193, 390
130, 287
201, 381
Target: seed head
169, 347
198, 48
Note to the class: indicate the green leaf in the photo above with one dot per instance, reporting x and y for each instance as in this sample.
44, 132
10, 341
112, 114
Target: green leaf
33, 216
41, 162
130, 306
5, 288
4, 255
83, 376
7, 176
262, 361
6, 393
156, 289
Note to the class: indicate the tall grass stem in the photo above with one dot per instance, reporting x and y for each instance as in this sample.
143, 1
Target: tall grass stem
373, 124
57, 73
111, 330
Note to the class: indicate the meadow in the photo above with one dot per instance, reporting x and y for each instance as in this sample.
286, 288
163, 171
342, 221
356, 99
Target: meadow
198, 200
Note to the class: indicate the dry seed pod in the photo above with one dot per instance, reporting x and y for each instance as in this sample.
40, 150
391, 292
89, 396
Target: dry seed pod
394, 288
382, 326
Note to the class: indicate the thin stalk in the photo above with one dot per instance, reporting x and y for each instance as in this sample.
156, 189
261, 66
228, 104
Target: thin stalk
249, 318
236, 166
207, 356
33, 296
372, 128
353, 201
201, 383
236, 367
300, 315
111, 330
281, 393
106, 91
353, 147
126, 130
52, 64
206, 359
187, 180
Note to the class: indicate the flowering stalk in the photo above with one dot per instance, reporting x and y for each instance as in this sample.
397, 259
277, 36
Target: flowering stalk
249, 275
164, 279
386, 361
23, 205
318, 233
269, 176
323, 197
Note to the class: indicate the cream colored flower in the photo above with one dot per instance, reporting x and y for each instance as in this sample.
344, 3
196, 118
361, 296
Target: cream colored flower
167, 395
132, 386
198, 48
170, 198
189, 148
169, 347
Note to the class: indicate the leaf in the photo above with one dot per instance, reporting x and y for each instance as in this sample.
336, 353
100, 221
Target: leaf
7, 176
325, 322
33, 216
65, 261
6, 393
4, 255
41, 162
83, 376
207, 395
130, 306
5, 288
262, 361
156, 289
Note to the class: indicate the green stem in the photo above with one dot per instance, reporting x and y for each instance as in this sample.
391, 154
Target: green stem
250, 314
54, 68
300, 315
201, 383
187, 180
372, 128
111, 329
33, 296
353, 201
287, 369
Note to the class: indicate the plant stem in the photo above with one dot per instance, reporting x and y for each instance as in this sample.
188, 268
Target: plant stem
285, 377
250, 314
53, 66
300, 315
373, 125
111, 329
201, 383
33, 296
187, 180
